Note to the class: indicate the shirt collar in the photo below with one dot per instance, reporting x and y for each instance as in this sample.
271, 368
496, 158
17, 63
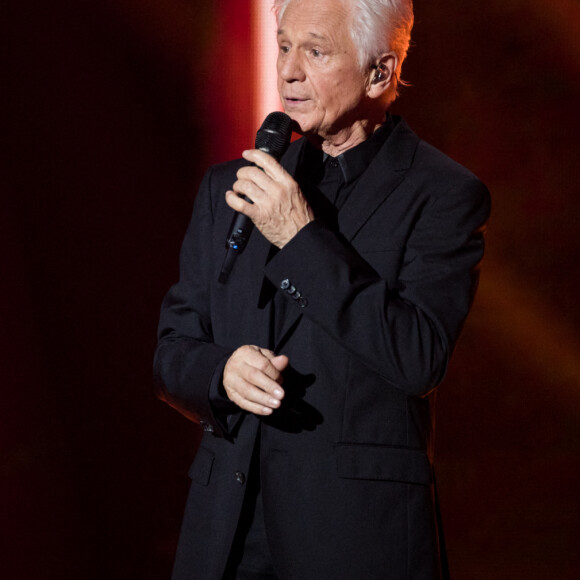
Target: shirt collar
354, 161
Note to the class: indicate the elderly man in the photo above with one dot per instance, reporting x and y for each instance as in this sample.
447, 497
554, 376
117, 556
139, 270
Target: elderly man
312, 371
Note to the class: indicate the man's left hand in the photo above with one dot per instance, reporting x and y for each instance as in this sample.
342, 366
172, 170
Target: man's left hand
280, 210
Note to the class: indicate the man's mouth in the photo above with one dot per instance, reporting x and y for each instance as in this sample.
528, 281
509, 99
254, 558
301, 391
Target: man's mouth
294, 100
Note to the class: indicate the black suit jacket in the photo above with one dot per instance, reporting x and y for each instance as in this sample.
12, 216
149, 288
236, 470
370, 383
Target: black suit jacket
376, 308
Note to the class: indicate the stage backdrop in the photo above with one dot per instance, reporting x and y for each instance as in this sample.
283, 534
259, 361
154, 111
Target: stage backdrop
111, 110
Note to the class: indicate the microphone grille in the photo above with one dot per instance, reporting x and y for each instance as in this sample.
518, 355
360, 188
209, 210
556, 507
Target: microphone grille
273, 137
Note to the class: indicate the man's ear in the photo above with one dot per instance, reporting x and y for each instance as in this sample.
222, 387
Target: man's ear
382, 75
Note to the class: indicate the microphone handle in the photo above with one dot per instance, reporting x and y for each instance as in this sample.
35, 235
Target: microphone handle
236, 241
272, 138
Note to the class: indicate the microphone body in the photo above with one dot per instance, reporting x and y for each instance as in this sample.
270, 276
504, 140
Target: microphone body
273, 138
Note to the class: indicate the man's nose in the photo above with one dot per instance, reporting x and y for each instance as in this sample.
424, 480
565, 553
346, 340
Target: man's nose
290, 67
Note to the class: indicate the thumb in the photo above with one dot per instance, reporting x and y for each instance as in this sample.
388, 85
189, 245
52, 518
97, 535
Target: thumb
280, 362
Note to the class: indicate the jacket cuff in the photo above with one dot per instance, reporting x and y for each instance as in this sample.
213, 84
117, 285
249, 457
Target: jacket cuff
226, 413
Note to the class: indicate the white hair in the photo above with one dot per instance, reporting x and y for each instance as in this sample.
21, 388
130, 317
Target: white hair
378, 27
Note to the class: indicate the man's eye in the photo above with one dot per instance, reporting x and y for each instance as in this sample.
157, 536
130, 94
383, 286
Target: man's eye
284, 49
316, 52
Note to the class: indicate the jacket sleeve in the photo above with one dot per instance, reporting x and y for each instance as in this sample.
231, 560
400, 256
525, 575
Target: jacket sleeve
404, 331
188, 364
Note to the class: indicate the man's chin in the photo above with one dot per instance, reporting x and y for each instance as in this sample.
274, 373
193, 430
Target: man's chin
305, 130
296, 127
296, 124
301, 124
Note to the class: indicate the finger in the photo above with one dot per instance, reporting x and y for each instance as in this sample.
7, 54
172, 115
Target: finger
273, 174
250, 397
267, 353
280, 362
250, 406
255, 175
251, 189
238, 203
251, 365
270, 166
255, 378
273, 368
267, 378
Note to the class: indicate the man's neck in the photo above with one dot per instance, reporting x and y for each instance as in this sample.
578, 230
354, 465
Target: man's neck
346, 139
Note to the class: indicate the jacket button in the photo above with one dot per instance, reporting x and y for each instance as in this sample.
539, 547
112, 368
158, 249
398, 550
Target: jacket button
291, 290
302, 302
285, 284
240, 477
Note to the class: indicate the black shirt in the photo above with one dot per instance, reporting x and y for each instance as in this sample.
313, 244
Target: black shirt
336, 177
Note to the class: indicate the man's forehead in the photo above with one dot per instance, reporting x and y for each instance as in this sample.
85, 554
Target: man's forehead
311, 34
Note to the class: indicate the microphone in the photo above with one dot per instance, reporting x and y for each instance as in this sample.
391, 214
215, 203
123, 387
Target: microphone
273, 137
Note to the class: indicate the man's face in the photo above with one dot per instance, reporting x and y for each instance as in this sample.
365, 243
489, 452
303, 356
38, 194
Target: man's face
319, 80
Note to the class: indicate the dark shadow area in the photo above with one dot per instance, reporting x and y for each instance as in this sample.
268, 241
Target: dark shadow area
111, 111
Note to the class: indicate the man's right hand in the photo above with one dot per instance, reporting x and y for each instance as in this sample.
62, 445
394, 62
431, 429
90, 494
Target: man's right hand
252, 379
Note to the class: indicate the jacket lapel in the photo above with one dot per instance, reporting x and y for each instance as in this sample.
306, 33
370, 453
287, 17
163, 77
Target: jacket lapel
383, 176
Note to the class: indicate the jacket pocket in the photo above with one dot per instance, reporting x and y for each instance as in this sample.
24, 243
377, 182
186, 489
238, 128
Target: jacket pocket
383, 463
200, 469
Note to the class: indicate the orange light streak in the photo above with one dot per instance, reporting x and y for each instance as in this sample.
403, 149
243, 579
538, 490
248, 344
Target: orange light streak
529, 331
265, 47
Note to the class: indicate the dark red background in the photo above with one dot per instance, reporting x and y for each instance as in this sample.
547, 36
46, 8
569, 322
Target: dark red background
110, 111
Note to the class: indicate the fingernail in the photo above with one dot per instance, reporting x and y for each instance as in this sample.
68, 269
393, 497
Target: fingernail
266, 410
274, 402
278, 392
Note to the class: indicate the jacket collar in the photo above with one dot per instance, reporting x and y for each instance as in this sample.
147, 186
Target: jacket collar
383, 176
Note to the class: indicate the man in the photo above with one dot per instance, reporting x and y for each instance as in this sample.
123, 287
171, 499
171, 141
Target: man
312, 371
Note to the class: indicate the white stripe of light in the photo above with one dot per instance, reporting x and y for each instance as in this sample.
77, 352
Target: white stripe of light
265, 50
